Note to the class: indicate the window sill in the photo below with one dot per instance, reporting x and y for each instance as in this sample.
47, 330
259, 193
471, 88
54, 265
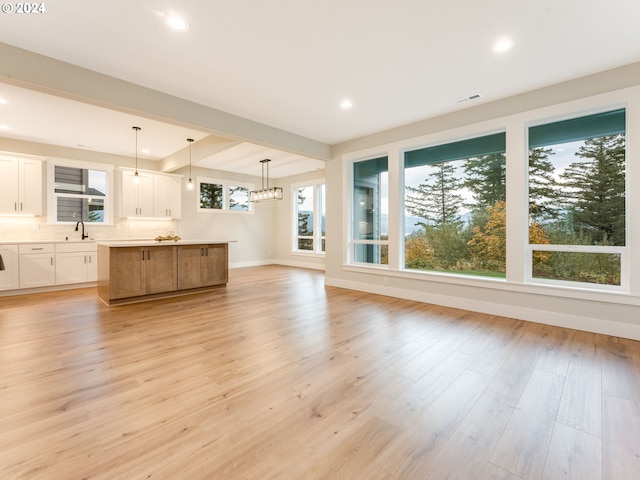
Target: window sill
308, 254
620, 297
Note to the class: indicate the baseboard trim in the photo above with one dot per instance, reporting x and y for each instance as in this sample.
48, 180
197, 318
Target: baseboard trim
594, 325
285, 263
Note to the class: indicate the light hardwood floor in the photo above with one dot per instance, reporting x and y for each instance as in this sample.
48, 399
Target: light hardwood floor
279, 377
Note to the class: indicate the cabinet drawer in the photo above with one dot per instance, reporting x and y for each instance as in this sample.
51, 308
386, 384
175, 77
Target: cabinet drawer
36, 248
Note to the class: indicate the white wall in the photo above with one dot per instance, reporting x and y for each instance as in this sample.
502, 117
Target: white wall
615, 314
252, 233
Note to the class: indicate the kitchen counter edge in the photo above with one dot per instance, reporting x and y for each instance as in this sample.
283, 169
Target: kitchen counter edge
164, 243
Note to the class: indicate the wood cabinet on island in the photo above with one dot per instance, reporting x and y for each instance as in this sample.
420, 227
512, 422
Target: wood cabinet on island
136, 271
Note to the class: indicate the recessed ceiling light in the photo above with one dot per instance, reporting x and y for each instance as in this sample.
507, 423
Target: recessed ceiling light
3, 100
346, 104
146, 151
503, 45
176, 23
5, 127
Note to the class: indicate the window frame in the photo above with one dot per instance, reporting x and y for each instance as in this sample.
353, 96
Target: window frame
226, 187
319, 200
52, 196
352, 242
622, 251
488, 140
516, 126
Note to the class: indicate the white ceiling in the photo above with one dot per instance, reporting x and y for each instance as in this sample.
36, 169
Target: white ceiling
39, 117
289, 63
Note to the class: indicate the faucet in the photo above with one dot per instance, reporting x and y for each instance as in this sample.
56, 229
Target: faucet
83, 235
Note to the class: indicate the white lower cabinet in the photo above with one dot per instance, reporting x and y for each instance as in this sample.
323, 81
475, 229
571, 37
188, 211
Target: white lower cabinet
33, 265
76, 263
9, 278
37, 268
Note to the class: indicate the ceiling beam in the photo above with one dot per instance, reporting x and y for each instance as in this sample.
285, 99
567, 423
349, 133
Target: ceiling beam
31, 70
201, 149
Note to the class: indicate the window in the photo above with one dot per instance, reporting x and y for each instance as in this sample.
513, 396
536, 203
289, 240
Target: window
577, 217
309, 214
455, 207
79, 192
371, 212
223, 195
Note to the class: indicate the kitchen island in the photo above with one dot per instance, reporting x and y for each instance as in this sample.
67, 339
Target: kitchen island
135, 271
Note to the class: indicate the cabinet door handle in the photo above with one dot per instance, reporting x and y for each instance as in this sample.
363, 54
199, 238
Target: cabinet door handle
20, 206
148, 254
89, 258
85, 259
206, 251
15, 206
36, 248
142, 255
52, 261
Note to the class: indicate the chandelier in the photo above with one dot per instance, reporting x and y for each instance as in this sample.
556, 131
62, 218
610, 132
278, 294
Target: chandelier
266, 193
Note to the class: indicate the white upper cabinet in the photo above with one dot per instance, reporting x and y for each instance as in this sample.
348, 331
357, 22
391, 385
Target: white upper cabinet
167, 196
137, 197
20, 186
155, 195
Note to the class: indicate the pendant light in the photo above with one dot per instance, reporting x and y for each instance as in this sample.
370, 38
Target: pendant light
190, 182
266, 193
136, 175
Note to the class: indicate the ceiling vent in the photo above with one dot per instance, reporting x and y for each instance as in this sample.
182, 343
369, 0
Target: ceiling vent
475, 96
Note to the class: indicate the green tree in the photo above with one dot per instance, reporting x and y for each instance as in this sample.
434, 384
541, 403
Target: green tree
438, 202
544, 201
210, 195
303, 217
486, 177
597, 187
303, 224
436, 199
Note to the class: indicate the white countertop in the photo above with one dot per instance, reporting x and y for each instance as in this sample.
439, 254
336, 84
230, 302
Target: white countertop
29, 242
134, 242
154, 243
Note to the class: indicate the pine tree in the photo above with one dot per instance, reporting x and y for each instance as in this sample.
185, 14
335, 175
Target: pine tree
544, 201
486, 178
210, 195
598, 190
303, 218
436, 199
